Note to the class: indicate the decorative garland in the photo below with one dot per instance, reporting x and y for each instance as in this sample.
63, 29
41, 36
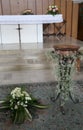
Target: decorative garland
65, 67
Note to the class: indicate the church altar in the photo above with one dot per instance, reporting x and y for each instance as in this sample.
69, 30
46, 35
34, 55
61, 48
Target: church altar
25, 28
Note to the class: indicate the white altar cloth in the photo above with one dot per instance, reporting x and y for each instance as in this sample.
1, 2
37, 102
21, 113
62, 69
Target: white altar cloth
25, 28
30, 19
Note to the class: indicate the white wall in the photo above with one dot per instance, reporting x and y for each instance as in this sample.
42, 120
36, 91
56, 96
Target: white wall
78, 1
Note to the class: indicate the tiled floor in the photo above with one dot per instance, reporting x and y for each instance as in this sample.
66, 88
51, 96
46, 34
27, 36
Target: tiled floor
28, 64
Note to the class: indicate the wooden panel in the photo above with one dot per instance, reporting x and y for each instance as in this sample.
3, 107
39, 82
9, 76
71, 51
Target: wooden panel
80, 22
31, 5
63, 11
45, 6
63, 8
0, 7
51, 2
17, 7
58, 3
51, 26
39, 8
25, 4
14, 7
21, 6
69, 18
6, 7
75, 20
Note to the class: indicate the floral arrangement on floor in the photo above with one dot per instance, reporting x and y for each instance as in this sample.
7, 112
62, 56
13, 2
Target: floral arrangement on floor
53, 10
20, 103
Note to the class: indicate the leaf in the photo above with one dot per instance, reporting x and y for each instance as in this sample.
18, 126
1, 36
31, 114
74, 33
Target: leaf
4, 107
15, 118
19, 116
40, 106
28, 114
2, 102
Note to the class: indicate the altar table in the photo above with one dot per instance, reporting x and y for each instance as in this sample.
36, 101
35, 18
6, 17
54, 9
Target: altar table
25, 28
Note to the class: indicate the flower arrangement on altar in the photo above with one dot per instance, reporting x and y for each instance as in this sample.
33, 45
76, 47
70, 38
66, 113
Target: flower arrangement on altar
52, 9
20, 103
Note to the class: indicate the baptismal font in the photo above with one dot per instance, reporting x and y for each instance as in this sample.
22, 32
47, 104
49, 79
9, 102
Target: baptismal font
67, 60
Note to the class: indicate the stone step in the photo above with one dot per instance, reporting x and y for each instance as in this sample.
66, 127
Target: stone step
24, 67
23, 59
24, 54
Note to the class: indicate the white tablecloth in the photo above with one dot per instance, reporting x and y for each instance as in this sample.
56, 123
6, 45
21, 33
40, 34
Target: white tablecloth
30, 19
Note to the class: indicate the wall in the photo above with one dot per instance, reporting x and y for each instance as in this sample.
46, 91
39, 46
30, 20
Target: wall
67, 8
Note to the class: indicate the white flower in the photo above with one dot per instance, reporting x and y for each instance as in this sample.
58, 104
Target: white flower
26, 94
21, 103
26, 101
13, 96
11, 108
53, 6
16, 107
25, 105
54, 10
18, 103
28, 98
16, 92
22, 94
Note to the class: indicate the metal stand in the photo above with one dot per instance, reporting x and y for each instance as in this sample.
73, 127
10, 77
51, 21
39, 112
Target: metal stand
70, 96
58, 28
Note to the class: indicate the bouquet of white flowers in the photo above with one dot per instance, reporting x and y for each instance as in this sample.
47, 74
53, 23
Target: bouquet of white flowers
20, 103
52, 9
